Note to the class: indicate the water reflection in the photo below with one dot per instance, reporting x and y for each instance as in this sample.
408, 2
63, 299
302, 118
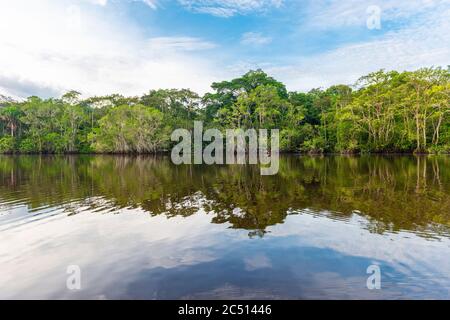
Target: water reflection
143, 228
395, 193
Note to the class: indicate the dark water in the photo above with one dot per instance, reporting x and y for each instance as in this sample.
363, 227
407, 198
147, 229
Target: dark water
142, 228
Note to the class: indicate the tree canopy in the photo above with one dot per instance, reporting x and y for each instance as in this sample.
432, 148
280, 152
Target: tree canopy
383, 112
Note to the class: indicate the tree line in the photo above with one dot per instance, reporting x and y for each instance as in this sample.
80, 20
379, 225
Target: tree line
382, 112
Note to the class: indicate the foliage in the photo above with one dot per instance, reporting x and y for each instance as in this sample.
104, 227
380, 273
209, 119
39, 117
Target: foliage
7, 145
131, 129
382, 112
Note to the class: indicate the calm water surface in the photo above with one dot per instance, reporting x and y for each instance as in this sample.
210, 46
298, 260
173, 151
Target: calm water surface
142, 228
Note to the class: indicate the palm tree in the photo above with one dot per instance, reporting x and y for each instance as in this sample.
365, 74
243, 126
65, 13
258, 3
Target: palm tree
10, 115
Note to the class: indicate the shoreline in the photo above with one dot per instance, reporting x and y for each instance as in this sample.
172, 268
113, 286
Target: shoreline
167, 153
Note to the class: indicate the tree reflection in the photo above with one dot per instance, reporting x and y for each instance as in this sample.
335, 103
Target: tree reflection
393, 192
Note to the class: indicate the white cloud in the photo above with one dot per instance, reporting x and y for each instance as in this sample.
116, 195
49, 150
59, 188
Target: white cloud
229, 8
255, 38
337, 13
48, 47
64, 46
151, 3
423, 44
99, 2
179, 43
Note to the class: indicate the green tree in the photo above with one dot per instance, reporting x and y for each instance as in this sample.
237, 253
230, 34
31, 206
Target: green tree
42, 119
10, 115
131, 129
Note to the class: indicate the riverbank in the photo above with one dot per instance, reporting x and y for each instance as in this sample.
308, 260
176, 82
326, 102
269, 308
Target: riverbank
167, 152
340, 118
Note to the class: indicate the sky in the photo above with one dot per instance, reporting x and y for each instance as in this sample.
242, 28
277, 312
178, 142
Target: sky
100, 47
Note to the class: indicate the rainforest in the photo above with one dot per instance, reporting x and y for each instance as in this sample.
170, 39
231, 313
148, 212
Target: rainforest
383, 112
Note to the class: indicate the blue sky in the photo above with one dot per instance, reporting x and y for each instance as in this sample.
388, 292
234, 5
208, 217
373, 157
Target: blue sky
130, 46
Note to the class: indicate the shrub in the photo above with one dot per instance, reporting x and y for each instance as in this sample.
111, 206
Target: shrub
27, 146
7, 145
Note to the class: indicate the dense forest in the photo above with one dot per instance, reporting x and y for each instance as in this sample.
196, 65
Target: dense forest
382, 112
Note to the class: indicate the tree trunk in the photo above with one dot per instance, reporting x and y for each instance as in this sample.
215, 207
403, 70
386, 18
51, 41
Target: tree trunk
418, 132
